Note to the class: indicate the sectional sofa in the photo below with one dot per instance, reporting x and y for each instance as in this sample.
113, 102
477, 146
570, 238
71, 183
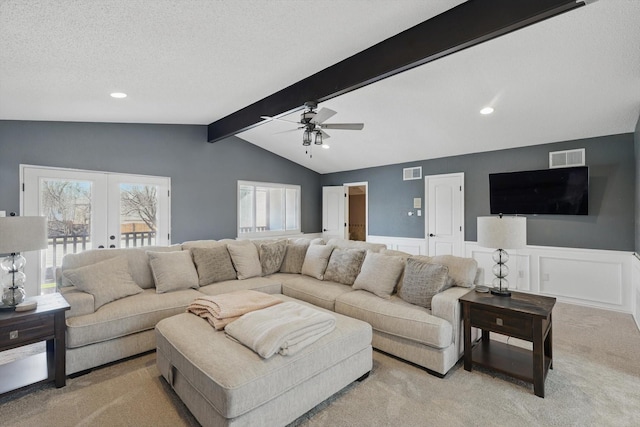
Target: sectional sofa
117, 296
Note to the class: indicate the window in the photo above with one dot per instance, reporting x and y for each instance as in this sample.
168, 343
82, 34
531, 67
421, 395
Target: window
268, 209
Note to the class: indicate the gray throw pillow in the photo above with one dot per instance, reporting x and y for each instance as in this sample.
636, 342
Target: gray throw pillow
344, 265
271, 256
213, 264
294, 257
173, 271
422, 280
316, 260
379, 274
107, 280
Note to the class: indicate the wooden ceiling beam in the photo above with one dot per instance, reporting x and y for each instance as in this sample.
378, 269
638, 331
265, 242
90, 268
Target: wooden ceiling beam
466, 25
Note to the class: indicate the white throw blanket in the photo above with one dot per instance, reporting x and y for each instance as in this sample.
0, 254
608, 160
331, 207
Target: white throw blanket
283, 328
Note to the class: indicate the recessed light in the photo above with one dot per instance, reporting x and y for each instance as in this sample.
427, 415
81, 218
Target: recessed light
118, 95
325, 146
486, 110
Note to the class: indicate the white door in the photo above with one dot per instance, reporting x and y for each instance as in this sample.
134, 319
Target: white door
88, 210
445, 214
333, 212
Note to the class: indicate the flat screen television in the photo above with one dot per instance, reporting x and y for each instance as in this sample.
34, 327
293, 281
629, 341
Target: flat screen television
561, 191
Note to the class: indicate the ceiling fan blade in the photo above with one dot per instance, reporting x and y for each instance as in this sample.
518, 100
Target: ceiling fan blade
280, 120
287, 131
324, 134
322, 115
343, 126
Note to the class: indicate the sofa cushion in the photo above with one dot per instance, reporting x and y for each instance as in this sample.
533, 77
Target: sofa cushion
379, 274
213, 264
422, 280
127, 316
245, 260
344, 265
200, 244
314, 291
173, 271
356, 244
316, 260
294, 256
262, 284
106, 280
396, 317
271, 256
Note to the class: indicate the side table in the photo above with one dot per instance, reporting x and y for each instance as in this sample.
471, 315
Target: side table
17, 329
524, 316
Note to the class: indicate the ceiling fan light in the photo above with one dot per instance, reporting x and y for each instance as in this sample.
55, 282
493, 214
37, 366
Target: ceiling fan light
306, 138
318, 138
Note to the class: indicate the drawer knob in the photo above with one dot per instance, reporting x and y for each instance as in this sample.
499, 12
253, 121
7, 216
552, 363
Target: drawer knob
499, 321
13, 335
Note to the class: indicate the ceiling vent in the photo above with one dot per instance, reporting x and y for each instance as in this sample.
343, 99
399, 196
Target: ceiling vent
567, 158
412, 173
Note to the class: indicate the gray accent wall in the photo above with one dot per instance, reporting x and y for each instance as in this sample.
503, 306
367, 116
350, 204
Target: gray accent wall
636, 137
612, 192
203, 176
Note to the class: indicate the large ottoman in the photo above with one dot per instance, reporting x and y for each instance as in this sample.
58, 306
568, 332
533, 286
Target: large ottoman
224, 383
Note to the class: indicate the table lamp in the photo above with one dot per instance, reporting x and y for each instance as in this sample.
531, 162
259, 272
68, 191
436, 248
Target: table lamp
502, 232
18, 234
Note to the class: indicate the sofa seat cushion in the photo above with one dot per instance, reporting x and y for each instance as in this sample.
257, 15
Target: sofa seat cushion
283, 277
396, 317
315, 291
262, 284
127, 316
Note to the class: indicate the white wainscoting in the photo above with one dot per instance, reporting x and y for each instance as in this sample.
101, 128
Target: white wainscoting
636, 289
590, 277
405, 244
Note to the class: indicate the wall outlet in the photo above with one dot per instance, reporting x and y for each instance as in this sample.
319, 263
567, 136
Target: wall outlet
3, 213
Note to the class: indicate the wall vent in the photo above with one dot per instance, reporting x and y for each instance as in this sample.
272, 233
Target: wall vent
567, 158
412, 173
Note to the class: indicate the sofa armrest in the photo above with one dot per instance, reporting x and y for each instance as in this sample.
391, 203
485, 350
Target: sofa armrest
81, 302
446, 305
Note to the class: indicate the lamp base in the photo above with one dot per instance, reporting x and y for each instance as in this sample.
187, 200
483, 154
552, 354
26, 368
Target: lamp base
501, 292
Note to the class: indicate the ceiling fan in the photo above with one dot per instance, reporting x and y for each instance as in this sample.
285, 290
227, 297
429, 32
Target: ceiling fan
313, 123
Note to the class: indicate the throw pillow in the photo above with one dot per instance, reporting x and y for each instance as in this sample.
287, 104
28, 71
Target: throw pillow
379, 274
344, 265
107, 280
173, 271
316, 260
294, 257
245, 260
462, 271
213, 264
422, 280
271, 256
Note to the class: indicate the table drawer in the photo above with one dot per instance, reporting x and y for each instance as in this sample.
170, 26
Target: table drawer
19, 332
503, 323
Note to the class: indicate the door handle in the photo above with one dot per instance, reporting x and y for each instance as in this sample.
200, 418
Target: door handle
324, 229
112, 237
432, 235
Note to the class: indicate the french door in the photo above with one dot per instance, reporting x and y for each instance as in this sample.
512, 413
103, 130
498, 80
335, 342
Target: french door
87, 210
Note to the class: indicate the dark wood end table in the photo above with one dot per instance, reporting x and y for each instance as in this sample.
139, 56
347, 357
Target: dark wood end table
45, 323
524, 316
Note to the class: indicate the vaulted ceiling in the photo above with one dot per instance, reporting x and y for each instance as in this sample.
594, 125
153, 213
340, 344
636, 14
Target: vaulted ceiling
576, 75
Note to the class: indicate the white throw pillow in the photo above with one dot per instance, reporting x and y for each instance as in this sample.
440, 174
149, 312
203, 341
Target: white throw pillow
173, 271
379, 274
245, 260
106, 280
316, 260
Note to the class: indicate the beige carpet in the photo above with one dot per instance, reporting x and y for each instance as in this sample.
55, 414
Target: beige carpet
595, 382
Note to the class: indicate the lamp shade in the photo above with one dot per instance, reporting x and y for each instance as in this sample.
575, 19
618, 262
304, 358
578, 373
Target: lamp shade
502, 232
22, 233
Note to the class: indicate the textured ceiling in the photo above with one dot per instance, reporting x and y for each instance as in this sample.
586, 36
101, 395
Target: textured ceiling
573, 76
